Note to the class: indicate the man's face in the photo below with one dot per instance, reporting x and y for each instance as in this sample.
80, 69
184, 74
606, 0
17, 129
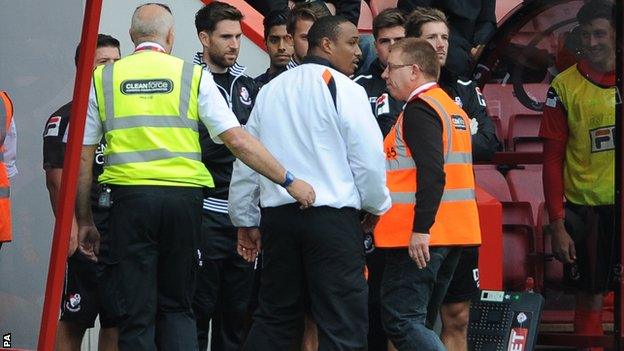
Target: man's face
300, 38
224, 43
279, 46
399, 76
105, 55
385, 38
436, 33
346, 52
598, 39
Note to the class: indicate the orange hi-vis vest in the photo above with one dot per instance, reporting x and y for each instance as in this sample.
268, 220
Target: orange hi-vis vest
6, 114
457, 219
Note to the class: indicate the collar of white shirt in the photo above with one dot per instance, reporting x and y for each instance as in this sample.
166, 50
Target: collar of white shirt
149, 43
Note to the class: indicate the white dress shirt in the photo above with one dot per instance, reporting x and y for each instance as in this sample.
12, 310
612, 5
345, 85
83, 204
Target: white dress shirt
212, 108
336, 147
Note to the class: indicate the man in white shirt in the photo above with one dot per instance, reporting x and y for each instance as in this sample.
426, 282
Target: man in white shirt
148, 106
319, 122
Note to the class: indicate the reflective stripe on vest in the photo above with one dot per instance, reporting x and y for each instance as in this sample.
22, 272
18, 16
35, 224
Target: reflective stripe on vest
449, 195
148, 155
5, 192
182, 121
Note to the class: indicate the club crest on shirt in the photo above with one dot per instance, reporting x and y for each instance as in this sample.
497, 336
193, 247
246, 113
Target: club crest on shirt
73, 302
459, 102
53, 126
382, 105
244, 96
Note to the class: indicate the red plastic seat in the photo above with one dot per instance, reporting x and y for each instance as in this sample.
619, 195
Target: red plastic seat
379, 5
519, 245
492, 181
523, 132
498, 127
525, 184
502, 102
365, 23
517, 263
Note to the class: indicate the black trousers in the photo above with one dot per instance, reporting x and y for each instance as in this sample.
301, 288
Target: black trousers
224, 285
153, 238
375, 262
321, 249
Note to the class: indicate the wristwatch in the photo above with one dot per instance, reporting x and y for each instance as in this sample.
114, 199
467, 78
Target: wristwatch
289, 179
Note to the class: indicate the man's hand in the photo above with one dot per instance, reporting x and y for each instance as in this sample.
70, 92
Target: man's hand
249, 243
419, 249
369, 222
89, 241
562, 244
476, 51
302, 192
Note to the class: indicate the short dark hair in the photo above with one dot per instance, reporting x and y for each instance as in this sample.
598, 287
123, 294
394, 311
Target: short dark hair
420, 52
388, 18
420, 16
273, 19
103, 41
207, 17
326, 27
307, 11
596, 9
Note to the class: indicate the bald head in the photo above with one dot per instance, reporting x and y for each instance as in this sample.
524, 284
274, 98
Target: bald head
152, 22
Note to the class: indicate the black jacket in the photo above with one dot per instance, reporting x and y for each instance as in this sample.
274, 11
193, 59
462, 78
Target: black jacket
385, 108
468, 96
349, 9
472, 22
240, 96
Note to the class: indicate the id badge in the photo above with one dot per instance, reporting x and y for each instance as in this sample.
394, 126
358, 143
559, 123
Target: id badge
104, 201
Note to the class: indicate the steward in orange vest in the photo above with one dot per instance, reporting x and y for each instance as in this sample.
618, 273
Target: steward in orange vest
6, 115
457, 219
431, 182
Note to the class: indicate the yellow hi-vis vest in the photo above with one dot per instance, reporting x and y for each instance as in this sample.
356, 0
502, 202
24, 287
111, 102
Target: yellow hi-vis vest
148, 107
589, 167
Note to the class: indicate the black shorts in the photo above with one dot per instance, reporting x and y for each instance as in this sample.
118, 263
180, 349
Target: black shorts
593, 230
85, 290
465, 282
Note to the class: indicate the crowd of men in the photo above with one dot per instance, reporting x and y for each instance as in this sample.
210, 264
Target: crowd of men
188, 225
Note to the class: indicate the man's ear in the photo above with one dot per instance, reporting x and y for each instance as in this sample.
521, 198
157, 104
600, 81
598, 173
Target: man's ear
327, 45
171, 36
204, 38
416, 71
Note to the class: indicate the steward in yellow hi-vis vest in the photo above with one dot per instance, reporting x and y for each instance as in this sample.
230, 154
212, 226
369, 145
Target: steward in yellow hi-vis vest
457, 219
6, 115
148, 107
